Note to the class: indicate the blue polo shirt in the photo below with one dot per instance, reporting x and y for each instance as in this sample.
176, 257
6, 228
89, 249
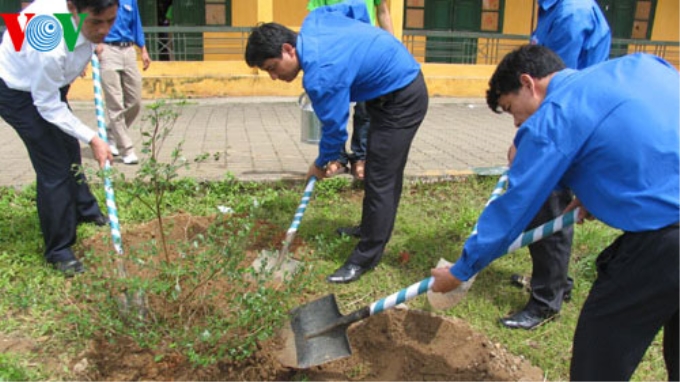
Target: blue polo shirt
610, 134
345, 59
128, 24
574, 29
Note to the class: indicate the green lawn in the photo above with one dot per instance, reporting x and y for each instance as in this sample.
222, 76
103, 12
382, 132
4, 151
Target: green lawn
434, 220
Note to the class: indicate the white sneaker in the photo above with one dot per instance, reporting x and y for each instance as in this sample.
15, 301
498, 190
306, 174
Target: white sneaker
130, 159
114, 150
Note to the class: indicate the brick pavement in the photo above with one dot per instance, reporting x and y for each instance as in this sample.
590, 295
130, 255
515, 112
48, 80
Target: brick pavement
261, 140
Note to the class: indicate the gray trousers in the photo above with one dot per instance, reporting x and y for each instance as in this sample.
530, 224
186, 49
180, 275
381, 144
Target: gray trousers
122, 85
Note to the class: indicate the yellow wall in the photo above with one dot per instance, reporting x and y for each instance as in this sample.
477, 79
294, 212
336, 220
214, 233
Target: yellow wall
243, 13
235, 78
517, 17
290, 12
666, 21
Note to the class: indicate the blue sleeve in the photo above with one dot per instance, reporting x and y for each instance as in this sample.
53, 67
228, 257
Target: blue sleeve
536, 169
331, 105
137, 30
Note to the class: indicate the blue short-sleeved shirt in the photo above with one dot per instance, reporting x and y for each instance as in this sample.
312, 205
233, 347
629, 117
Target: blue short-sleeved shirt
128, 24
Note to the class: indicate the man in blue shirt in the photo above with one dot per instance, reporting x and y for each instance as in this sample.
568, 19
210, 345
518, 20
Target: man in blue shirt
387, 77
377, 11
121, 80
610, 134
578, 32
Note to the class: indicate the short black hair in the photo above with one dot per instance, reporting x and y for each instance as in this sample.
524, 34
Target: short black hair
265, 42
97, 6
535, 60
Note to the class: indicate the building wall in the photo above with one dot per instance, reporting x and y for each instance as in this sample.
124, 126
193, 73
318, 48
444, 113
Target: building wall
517, 17
228, 75
666, 21
290, 12
243, 13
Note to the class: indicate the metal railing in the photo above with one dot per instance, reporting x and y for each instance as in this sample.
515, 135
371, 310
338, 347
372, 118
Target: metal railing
179, 43
490, 48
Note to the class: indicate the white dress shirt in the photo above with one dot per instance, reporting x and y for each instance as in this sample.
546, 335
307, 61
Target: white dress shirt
44, 73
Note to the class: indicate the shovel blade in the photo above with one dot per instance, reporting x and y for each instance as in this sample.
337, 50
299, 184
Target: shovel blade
266, 263
310, 318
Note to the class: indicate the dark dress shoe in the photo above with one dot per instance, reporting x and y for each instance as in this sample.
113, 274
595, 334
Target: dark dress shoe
99, 221
526, 319
69, 268
350, 231
346, 274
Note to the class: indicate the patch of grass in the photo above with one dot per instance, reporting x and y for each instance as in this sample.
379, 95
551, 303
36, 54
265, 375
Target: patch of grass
13, 368
434, 220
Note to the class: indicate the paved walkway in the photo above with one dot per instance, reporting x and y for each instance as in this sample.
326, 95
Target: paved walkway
259, 139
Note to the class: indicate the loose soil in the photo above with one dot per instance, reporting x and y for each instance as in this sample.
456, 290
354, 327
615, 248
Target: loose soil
399, 344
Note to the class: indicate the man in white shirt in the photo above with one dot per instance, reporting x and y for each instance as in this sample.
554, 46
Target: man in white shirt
33, 89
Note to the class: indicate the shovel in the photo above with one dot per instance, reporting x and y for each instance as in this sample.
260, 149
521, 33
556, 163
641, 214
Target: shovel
318, 332
126, 300
278, 261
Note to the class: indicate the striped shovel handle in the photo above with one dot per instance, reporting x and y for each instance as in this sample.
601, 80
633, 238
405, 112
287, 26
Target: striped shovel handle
108, 185
297, 218
497, 191
524, 239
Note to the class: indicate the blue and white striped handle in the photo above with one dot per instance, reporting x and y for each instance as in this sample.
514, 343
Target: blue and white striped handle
497, 191
302, 207
108, 185
524, 239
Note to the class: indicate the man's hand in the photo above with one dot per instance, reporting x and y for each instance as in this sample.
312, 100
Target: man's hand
444, 281
146, 60
583, 213
101, 151
319, 173
512, 151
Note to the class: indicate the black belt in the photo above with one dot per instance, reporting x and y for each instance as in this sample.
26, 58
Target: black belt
122, 44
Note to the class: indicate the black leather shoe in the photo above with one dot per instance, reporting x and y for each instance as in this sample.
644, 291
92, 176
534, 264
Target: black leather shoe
69, 268
349, 231
526, 319
346, 274
99, 221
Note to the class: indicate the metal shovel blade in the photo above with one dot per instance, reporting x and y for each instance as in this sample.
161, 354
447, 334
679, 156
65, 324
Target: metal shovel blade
311, 318
270, 262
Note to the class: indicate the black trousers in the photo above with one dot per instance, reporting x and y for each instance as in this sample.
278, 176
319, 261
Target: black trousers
395, 119
63, 197
634, 296
550, 258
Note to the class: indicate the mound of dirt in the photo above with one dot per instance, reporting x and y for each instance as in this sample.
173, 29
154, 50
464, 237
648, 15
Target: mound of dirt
397, 345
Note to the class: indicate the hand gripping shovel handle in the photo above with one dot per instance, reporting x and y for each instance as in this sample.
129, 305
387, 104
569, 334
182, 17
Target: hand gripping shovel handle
299, 213
108, 185
423, 286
